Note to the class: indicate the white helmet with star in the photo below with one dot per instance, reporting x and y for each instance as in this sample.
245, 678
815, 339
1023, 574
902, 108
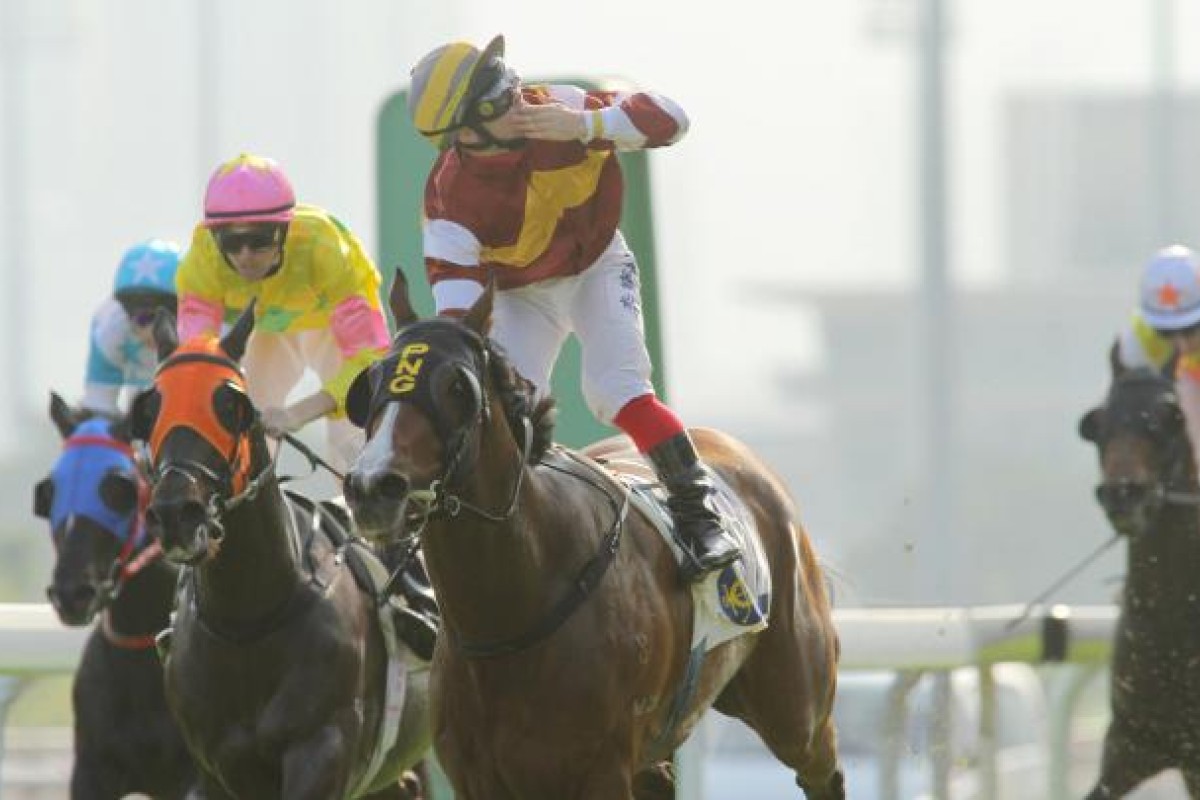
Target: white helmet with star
1171, 289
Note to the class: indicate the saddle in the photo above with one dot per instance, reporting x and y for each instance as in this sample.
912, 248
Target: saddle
409, 596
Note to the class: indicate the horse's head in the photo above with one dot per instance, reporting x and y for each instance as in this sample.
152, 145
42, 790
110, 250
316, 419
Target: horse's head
206, 446
441, 396
1144, 451
93, 499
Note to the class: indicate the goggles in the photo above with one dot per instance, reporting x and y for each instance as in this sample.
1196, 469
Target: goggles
500, 97
141, 308
232, 242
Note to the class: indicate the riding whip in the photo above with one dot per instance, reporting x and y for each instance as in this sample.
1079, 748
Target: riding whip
1058, 584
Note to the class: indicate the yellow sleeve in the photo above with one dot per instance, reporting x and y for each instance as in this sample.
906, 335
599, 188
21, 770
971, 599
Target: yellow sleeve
199, 272
1156, 348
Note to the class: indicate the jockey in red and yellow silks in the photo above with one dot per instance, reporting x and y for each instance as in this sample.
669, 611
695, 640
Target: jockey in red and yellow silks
317, 294
527, 192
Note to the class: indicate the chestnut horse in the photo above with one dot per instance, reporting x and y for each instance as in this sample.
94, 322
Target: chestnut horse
564, 671
125, 738
278, 669
1150, 494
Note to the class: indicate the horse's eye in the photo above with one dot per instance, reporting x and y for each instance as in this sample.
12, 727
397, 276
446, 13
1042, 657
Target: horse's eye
143, 414
118, 491
233, 408
43, 497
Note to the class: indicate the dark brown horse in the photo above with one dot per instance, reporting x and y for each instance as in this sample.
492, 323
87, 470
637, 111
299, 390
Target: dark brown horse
125, 737
1150, 494
278, 668
565, 671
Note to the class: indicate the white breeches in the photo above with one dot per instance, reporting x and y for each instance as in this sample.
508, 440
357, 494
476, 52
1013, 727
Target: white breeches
602, 306
275, 363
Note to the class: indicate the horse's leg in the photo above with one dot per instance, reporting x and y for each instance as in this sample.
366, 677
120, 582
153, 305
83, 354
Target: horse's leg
656, 783
789, 714
821, 776
1125, 764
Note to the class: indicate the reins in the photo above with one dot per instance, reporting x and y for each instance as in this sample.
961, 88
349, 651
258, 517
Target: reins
584, 584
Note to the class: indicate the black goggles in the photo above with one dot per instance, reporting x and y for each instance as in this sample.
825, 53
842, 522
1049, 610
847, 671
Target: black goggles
142, 309
496, 102
232, 242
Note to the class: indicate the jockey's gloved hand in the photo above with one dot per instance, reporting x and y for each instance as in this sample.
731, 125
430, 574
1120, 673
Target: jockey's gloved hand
279, 421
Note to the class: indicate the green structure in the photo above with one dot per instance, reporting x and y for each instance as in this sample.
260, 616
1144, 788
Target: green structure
405, 158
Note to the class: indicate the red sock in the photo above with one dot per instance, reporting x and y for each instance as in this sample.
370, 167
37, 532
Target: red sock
648, 422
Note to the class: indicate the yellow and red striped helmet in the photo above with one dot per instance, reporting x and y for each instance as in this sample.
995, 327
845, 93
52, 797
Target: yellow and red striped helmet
446, 82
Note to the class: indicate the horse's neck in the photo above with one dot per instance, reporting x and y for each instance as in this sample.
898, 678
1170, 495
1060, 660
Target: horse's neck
1171, 544
496, 580
144, 604
257, 567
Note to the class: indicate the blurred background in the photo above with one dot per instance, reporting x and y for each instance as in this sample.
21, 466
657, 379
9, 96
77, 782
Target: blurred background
892, 254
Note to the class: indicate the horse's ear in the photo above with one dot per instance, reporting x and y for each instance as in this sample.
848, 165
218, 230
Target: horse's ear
234, 342
166, 338
122, 429
64, 417
479, 318
1114, 359
358, 399
142, 414
399, 301
1089, 425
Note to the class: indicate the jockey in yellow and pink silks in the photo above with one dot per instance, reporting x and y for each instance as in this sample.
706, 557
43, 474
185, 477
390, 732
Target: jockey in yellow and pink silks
316, 288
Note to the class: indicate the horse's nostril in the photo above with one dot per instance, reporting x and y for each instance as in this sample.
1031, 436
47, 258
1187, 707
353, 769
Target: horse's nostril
392, 486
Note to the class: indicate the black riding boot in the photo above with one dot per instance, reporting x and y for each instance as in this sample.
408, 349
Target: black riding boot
697, 524
418, 618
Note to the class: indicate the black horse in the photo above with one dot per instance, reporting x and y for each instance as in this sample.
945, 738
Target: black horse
125, 738
1150, 494
279, 669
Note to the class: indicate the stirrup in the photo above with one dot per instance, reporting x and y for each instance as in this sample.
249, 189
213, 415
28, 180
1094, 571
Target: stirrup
699, 559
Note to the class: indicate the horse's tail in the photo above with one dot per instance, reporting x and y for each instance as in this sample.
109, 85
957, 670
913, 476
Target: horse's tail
834, 578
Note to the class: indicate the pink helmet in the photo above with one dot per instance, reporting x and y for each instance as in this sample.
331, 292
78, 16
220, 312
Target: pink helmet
248, 189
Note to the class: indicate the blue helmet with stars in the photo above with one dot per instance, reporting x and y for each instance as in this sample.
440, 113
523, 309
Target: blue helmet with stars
148, 268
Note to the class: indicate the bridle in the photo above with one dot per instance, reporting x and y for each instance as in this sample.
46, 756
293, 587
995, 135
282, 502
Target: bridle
132, 557
1170, 488
236, 487
420, 374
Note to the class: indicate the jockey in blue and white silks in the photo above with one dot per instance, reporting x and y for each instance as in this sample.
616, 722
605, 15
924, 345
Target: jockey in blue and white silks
121, 351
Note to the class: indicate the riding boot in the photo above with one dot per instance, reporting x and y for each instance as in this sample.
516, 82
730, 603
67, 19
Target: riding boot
690, 491
418, 618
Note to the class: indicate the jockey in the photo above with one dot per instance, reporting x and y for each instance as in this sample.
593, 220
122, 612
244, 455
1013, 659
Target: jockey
527, 192
318, 308
1165, 331
121, 352
317, 292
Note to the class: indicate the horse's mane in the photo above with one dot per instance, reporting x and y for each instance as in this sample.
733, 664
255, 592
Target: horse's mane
518, 397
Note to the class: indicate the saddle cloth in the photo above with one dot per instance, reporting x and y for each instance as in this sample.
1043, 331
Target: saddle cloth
729, 602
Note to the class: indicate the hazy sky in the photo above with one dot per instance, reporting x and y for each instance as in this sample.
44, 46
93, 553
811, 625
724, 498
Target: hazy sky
800, 165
